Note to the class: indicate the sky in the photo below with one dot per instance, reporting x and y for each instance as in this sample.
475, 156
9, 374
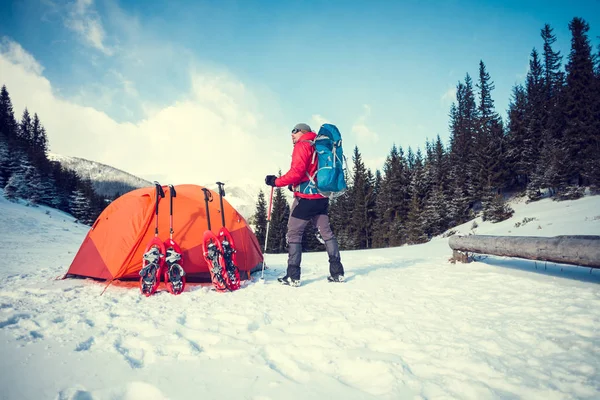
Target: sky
199, 91
406, 323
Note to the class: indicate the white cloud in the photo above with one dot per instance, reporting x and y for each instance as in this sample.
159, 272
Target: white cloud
363, 133
449, 96
213, 132
83, 19
13, 52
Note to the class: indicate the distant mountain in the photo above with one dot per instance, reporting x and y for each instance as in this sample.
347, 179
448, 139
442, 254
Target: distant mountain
106, 180
109, 181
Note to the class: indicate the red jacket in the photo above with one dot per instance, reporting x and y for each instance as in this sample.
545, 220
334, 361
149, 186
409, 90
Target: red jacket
302, 162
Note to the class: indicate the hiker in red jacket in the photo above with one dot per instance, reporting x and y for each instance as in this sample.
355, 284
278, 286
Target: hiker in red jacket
308, 205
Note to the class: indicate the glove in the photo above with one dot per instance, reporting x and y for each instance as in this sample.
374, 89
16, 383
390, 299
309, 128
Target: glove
270, 180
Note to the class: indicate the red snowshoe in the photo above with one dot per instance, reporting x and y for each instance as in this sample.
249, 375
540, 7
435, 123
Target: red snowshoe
154, 255
232, 273
213, 254
174, 272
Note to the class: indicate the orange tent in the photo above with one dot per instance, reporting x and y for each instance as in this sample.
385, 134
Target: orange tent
114, 246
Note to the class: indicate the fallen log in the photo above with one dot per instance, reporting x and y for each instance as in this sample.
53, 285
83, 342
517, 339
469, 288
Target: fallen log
575, 250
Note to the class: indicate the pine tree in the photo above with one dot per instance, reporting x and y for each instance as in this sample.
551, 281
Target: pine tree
34, 186
8, 124
48, 195
378, 237
495, 208
463, 123
518, 162
395, 197
552, 169
385, 200
371, 201
26, 129
4, 160
279, 217
260, 219
579, 132
8, 135
490, 140
530, 153
415, 228
340, 216
595, 162
39, 145
12, 187
80, 206
435, 213
361, 190
22, 173
553, 76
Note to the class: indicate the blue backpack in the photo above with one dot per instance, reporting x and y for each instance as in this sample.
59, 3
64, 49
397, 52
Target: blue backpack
330, 178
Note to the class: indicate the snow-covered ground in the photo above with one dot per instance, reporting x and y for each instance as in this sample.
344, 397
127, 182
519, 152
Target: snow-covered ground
406, 324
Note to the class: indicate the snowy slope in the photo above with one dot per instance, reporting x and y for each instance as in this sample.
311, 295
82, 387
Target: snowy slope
406, 324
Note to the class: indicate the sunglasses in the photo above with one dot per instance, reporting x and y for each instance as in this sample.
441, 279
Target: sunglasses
295, 131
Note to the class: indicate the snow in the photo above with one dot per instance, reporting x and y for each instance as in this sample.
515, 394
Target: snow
406, 324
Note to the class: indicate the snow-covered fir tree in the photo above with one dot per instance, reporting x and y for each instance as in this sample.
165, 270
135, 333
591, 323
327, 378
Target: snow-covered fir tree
260, 219
80, 207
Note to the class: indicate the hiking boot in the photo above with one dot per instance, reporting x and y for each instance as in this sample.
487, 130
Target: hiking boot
286, 280
338, 278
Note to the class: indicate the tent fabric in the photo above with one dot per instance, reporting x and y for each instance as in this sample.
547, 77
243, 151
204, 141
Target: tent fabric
114, 246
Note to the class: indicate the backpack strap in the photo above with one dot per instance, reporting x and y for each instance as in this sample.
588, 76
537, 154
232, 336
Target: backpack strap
309, 187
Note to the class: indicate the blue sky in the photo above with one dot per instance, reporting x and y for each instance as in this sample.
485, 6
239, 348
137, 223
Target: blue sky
383, 71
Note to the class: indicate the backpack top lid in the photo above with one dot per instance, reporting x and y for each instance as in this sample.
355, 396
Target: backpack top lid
330, 131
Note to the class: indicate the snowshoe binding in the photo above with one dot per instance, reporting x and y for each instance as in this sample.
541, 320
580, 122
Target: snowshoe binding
338, 278
232, 273
174, 273
150, 272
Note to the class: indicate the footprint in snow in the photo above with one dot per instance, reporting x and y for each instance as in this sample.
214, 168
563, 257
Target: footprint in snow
138, 391
75, 393
14, 320
85, 345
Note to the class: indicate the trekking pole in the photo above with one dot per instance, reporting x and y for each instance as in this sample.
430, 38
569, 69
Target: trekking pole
207, 196
262, 275
221, 194
172, 194
161, 193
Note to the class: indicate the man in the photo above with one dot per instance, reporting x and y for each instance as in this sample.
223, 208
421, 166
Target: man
308, 205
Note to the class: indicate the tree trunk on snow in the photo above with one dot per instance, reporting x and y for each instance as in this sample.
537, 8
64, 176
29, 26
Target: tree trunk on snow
576, 250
